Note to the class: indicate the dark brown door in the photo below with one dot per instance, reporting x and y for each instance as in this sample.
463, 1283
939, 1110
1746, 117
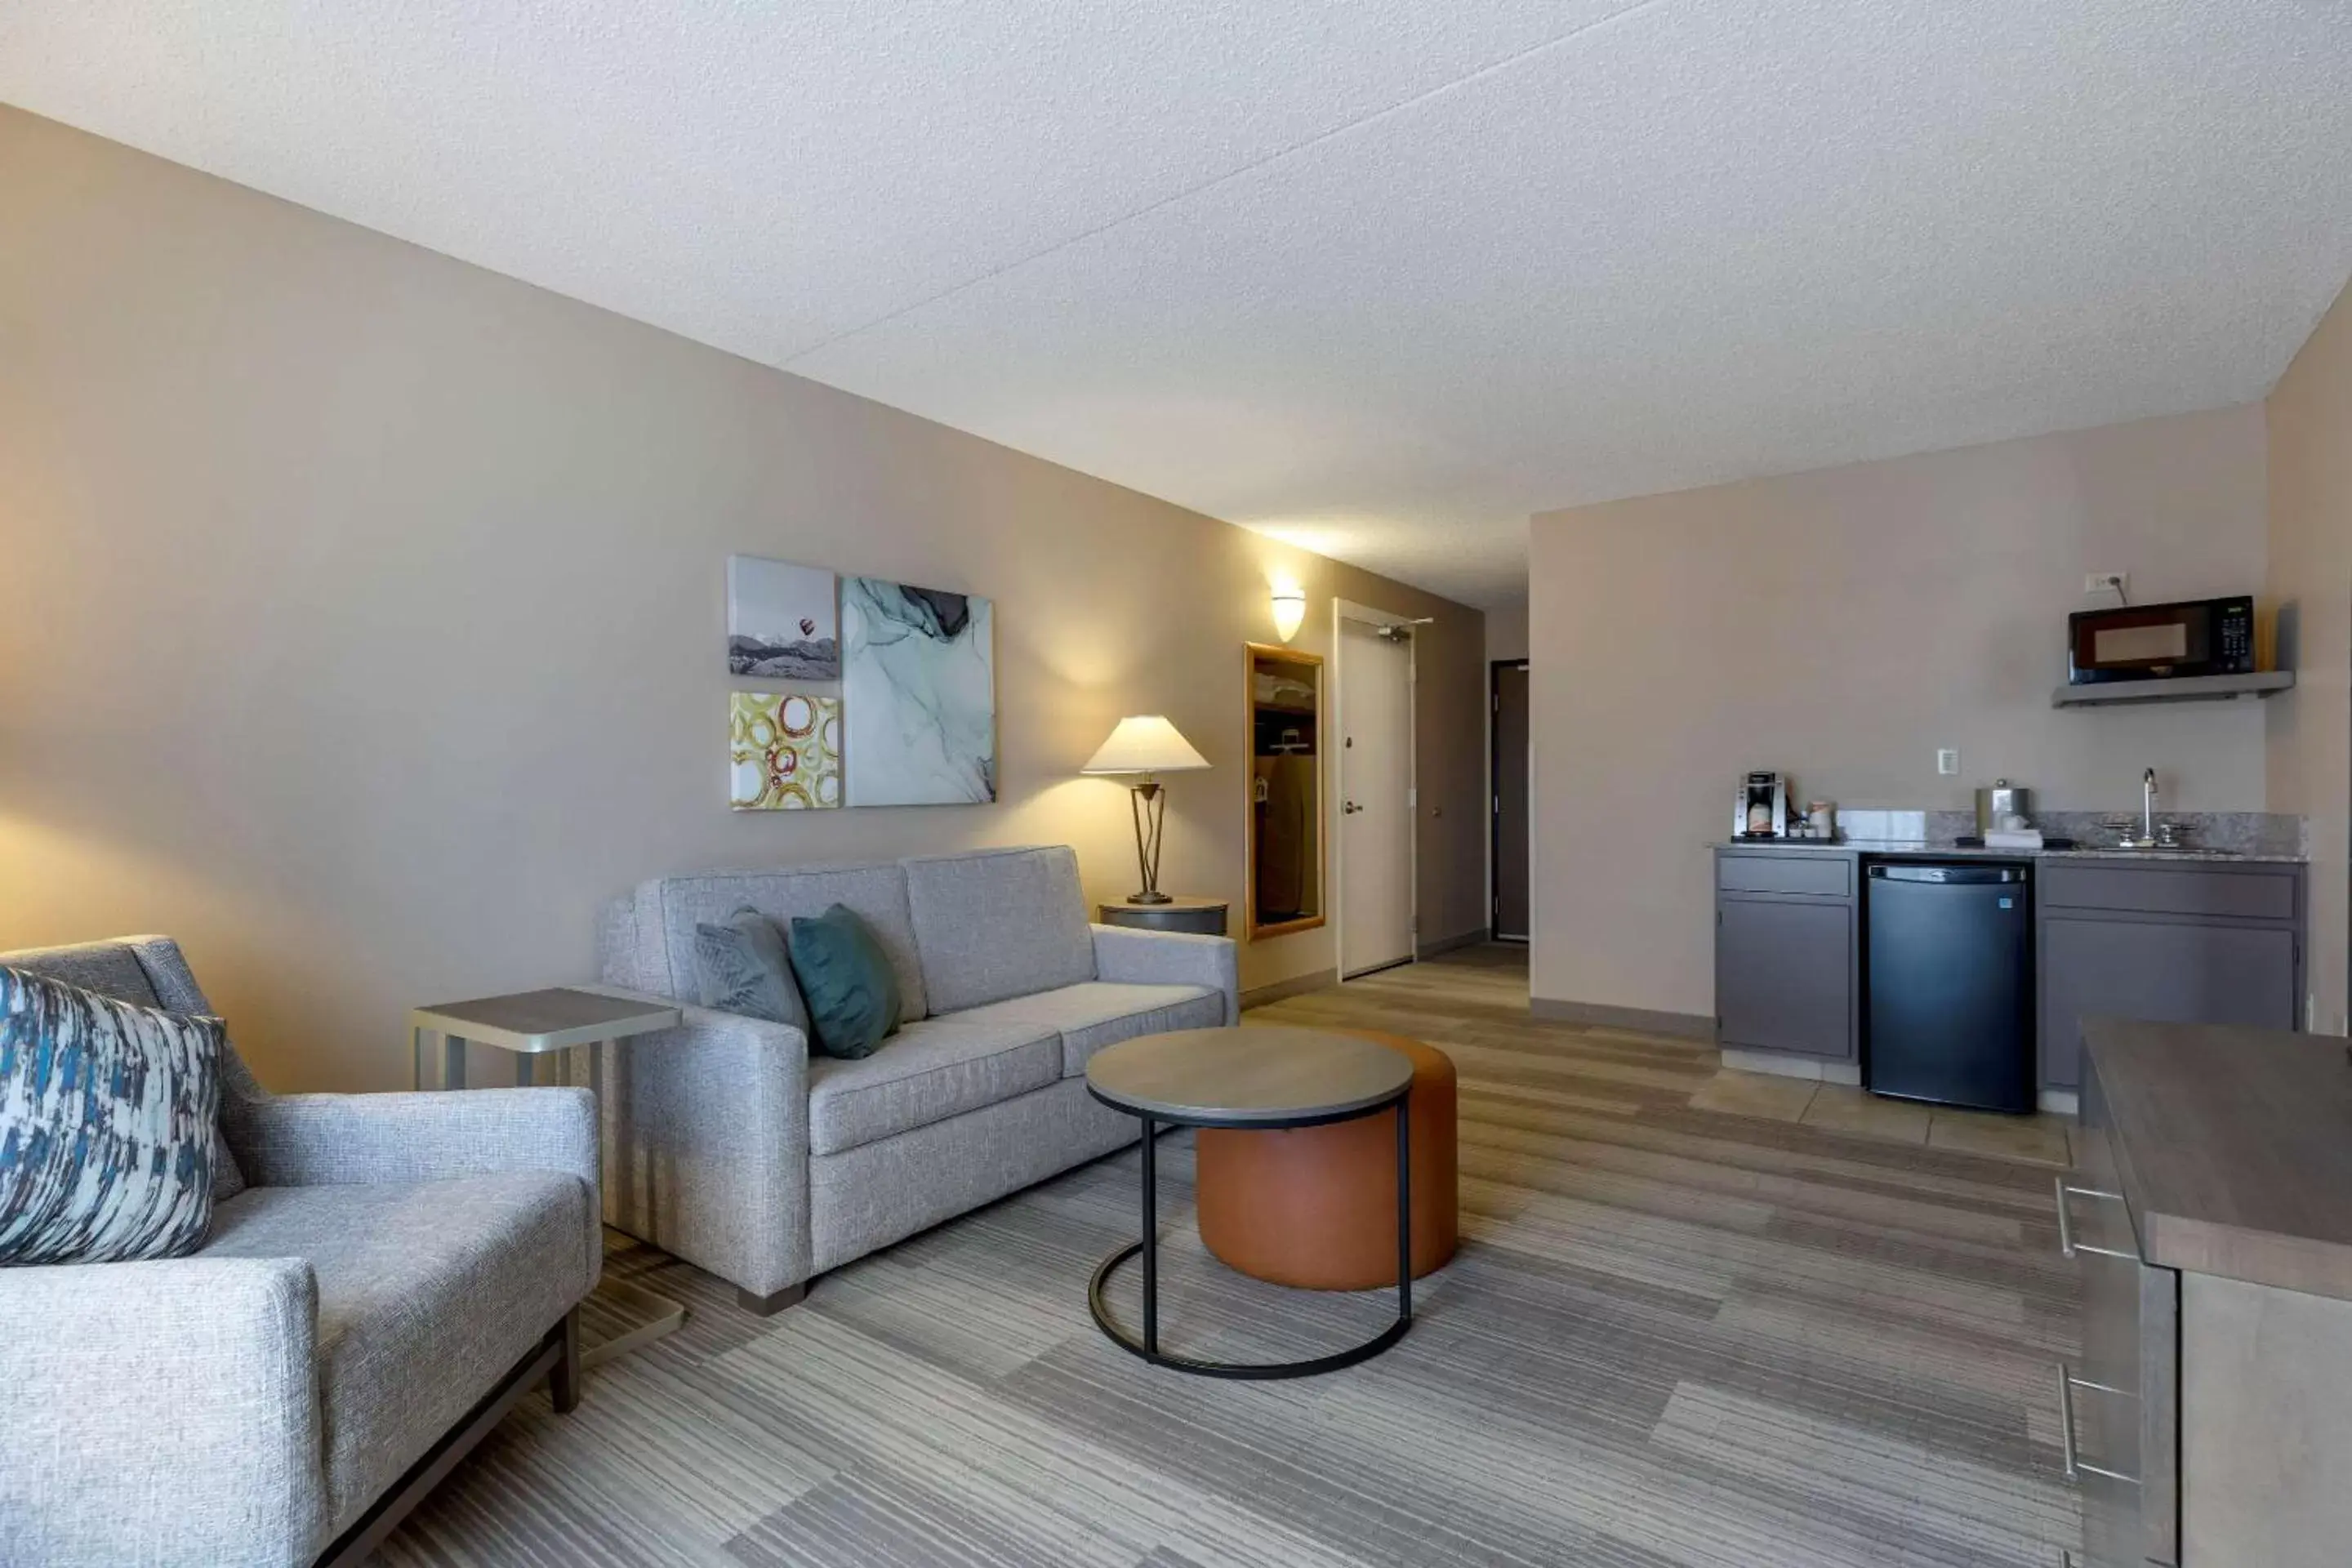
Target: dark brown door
1510, 710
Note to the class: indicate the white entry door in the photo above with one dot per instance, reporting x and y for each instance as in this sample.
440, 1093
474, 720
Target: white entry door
1376, 811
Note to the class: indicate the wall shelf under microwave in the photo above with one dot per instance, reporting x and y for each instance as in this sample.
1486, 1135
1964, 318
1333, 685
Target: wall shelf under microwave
2187, 688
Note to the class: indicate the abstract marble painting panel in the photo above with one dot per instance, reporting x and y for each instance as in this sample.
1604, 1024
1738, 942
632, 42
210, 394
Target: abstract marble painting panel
785, 752
779, 621
918, 683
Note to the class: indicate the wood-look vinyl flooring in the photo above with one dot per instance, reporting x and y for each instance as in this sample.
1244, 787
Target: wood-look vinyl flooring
1692, 1323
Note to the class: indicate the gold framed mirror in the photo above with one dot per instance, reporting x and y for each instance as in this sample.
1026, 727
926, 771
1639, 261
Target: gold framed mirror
1284, 691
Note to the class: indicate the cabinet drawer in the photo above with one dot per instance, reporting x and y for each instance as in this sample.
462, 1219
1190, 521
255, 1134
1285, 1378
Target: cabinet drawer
2121, 1411
2233, 894
1825, 876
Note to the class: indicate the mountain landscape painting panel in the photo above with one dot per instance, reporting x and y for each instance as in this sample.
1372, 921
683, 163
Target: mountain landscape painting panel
918, 695
781, 622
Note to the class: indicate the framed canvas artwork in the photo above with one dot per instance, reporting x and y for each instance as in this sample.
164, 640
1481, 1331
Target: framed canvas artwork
918, 691
781, 622
784, 752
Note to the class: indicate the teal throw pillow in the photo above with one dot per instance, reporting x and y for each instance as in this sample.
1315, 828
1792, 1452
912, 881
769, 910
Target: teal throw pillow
847, 979
739, 967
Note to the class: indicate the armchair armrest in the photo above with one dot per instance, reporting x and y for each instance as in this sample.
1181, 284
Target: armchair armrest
1171, 958
160, 1413
706, 1144
318, 1140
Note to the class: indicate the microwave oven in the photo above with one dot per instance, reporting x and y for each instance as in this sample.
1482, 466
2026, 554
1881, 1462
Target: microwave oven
2161, 642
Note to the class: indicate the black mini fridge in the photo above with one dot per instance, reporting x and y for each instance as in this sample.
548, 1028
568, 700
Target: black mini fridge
1947, 983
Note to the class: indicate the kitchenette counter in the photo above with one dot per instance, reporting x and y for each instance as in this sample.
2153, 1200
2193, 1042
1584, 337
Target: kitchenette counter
2232, 1147
1919, 850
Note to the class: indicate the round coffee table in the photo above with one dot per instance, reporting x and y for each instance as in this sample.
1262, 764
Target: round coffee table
1258, 1078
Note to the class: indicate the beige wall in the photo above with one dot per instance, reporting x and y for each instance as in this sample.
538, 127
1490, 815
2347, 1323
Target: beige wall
366, 614
1841, 625
1507, 632
2310, 727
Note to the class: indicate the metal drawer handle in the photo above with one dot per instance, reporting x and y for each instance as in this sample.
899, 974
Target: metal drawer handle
2077, 1468
2067, 1245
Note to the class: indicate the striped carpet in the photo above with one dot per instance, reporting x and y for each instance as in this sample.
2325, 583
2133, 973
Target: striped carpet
1687, 1327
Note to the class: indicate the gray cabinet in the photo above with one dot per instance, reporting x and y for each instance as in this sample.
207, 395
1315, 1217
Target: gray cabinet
2174, 941
1785, 954
2168, 944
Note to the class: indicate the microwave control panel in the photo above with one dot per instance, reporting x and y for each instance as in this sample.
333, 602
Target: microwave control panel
2235, 634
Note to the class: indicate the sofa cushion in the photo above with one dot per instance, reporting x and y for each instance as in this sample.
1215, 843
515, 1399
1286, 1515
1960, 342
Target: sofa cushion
845, 975
661, 928
932, 1070
429, 1292
108, 1116
997, 923
1098, 1012
739, 967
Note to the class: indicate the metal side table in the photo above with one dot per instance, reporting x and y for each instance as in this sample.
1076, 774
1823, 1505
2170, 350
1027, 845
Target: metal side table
533, 1023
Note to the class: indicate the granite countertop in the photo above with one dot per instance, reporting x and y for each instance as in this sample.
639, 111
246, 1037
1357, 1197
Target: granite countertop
1918, 850
2232, 1146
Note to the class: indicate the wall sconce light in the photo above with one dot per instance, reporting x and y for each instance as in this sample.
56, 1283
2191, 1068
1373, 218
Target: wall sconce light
1289, 610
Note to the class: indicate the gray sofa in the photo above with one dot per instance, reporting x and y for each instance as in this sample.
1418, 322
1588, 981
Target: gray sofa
386, 1274
729, 1145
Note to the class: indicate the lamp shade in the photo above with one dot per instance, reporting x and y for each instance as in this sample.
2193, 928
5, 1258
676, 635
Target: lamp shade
1289, 610
1145, 744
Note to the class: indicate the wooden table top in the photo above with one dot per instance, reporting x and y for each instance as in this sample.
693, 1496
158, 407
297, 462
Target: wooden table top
2234, 1148
1257, 1074
550, 1020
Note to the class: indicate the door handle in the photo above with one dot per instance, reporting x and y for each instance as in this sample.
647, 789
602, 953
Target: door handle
2067, 1245
2076, 1467
1349, 809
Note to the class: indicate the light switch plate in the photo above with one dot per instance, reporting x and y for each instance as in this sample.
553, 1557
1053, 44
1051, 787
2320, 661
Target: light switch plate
1948, 761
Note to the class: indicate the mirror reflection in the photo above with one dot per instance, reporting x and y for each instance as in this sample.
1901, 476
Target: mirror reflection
1285, 833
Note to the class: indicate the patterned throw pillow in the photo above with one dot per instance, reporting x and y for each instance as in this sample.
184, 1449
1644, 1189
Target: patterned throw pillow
106, 1125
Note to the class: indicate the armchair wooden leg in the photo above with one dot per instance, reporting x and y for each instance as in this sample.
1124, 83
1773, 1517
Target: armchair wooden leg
563, 1378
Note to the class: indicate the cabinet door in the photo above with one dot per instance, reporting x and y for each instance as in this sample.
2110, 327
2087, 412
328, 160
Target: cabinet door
1784, 976
2168, 974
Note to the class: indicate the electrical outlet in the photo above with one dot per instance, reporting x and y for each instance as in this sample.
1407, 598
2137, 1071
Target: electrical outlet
2114, 582
1948, 762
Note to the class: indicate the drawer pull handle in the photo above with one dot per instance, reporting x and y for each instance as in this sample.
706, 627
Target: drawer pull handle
2067, 1245
2076, 1466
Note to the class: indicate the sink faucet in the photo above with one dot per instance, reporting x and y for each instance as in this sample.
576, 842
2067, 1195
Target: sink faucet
2148, 807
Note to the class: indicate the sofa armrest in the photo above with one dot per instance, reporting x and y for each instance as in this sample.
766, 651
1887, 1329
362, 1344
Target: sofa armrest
161, 1411
1171, 958
319, 1139
706, 1144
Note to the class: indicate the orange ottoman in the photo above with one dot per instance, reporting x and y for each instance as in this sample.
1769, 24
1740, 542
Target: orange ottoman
1316, 1206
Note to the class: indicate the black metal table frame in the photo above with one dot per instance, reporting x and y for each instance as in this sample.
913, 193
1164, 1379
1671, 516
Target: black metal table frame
1147, 1345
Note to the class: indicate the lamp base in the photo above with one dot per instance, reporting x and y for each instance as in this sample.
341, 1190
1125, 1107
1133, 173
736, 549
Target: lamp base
1150, 899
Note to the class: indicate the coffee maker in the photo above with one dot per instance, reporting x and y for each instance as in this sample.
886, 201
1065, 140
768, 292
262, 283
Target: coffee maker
1761, 810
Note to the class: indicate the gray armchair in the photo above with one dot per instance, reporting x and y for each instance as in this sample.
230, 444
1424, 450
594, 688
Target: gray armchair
387, 1273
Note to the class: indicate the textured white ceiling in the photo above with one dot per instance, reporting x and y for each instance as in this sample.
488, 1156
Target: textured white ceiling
1381, 277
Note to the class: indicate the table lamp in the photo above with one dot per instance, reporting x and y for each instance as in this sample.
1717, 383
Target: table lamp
1147, 744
